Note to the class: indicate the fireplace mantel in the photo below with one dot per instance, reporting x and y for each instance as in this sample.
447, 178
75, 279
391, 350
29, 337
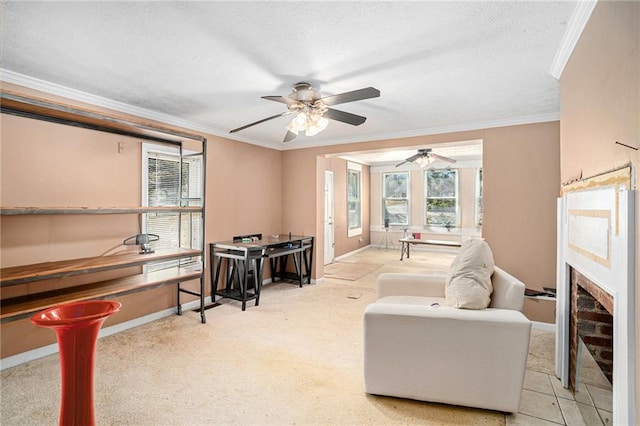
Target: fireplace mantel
596, 237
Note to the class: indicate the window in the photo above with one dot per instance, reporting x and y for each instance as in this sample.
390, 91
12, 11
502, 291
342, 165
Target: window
168, 181
354, 199
441, 195
479, 197
395, 198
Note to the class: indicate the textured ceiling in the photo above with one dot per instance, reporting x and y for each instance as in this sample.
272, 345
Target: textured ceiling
440, 66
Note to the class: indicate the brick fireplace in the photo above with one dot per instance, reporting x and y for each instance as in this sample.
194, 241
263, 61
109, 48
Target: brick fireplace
592, 322
596, 284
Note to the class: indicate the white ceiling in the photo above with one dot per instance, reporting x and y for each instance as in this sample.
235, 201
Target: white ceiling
440, 66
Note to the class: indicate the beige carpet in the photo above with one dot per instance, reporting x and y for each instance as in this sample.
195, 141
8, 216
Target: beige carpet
295, 359
349, 271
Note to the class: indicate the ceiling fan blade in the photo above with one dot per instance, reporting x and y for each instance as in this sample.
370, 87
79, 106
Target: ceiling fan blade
400, 164
413, 158
289, 136
345, 117
441, 158
356, 95
281, 99
259, 121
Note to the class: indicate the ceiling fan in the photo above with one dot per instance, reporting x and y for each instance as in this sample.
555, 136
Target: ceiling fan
424, 157
312, 111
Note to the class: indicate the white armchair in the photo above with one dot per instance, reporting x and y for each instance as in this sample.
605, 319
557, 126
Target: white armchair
416, 347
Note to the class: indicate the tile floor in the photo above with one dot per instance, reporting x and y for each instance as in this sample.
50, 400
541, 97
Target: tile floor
545, 402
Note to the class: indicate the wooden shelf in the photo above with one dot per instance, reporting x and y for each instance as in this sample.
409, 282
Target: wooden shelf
24, 306
34, 107
15, 211
64, 268
547, 298
45, 109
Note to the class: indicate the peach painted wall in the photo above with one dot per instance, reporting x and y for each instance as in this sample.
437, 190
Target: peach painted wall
600, 98
244, 190
600, 93
519, 194
521, 173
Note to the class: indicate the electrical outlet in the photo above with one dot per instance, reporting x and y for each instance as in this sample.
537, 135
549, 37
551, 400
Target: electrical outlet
121, 147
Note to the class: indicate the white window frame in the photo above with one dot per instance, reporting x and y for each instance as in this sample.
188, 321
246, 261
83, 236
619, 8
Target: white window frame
353, 231
407, 198
170, 151
426, 197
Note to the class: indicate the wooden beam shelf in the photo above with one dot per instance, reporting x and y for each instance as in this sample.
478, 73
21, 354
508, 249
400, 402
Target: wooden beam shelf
45, 109
23, 306
15, 211
64, 268
43, 296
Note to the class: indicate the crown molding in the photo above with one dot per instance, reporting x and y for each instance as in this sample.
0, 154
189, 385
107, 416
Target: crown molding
576, 25
77, 95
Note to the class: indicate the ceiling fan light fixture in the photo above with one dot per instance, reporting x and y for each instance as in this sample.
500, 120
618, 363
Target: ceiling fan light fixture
424, 161
292, 128
299, 123
311, 122
316, 124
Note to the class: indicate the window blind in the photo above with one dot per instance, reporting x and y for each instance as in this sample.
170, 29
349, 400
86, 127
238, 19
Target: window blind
172, 181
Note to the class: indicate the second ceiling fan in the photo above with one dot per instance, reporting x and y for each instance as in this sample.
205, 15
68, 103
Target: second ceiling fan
424, 157
312, 111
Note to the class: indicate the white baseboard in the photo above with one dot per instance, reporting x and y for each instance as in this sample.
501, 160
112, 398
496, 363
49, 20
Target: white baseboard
12, 361
351, 253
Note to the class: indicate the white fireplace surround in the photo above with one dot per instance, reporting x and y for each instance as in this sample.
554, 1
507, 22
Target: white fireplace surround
596, 237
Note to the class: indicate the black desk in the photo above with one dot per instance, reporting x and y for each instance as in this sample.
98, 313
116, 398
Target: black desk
244, 257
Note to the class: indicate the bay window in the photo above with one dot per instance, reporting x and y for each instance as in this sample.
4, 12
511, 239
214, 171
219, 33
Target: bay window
441, 198
395, 198
354, 199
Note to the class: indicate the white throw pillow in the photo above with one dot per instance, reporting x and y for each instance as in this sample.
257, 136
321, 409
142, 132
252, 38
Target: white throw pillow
469, 279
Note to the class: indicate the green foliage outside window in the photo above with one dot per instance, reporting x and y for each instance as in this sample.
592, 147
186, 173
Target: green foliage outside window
395, 198
442, 198
354, 200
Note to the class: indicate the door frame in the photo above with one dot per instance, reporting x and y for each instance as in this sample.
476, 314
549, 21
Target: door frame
329, 230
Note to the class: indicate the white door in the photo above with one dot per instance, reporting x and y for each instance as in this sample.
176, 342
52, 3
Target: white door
328, 218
